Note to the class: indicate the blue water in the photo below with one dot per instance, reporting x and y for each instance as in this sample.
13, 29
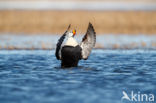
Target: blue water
36, 77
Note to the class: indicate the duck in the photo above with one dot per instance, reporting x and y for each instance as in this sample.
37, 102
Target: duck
71, 52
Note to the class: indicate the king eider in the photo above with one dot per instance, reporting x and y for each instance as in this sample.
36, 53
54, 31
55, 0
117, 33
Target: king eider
71, 52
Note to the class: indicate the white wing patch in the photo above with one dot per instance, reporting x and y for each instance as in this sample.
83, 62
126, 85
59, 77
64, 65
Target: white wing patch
88, 42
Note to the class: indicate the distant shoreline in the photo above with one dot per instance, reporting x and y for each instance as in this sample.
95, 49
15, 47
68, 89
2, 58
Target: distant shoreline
56, 22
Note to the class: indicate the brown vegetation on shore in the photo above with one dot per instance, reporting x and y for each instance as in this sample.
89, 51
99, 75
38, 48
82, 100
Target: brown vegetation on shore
116, 22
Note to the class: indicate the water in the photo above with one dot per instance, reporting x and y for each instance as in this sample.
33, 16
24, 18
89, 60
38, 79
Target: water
107, 41
36, 77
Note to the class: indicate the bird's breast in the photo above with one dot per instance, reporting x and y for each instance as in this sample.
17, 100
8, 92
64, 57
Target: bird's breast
71, 42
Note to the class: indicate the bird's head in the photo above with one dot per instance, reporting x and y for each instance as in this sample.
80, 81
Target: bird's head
72, 33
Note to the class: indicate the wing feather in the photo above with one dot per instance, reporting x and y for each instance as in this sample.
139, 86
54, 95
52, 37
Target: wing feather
59, 43
88, 42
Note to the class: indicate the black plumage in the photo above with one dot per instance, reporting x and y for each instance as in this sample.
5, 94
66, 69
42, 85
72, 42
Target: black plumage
70, 56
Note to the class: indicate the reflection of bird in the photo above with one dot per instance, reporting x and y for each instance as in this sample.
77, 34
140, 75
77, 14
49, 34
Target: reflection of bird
125, 96
71, 52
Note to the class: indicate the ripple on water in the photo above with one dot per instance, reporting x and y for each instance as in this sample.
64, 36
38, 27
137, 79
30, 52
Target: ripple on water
36, 76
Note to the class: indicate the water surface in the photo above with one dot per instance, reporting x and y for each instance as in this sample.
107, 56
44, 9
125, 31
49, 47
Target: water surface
36, 77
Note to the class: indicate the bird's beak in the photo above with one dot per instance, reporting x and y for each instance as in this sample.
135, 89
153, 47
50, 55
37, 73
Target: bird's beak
74, 32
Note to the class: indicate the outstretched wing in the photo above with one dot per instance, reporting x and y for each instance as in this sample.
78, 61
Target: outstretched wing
88, 42
59, 43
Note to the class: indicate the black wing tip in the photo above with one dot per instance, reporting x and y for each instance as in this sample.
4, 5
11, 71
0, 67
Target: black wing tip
91, 27
69, 26
90, 24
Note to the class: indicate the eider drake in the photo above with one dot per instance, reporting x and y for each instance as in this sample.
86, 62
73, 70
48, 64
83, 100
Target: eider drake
71, 52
